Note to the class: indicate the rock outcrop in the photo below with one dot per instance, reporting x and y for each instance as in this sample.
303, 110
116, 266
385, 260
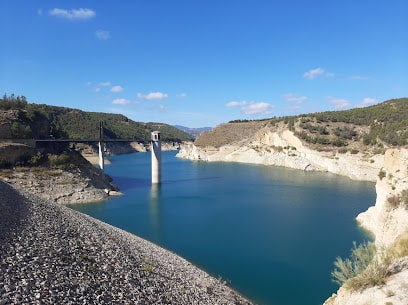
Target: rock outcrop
61, 186
388, 218
283, 148
75, 181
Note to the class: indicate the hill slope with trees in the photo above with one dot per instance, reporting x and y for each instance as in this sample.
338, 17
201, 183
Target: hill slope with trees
24, 120
384, 124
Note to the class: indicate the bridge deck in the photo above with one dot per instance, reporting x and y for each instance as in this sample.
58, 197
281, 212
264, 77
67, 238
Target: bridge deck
73, 140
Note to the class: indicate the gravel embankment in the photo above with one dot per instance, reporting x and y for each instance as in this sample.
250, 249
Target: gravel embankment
50, 254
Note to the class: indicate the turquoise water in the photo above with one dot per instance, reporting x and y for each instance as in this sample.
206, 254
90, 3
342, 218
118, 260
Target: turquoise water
272, 232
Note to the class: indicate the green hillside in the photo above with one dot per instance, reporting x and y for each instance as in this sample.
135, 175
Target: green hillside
22, 118
387, 122
384, 124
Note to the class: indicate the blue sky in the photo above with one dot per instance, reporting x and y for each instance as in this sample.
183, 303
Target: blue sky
201, 63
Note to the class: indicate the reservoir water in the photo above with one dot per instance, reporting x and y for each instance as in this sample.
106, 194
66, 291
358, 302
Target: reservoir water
272, 233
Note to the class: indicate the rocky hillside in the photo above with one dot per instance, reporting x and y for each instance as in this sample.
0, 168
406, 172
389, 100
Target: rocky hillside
21, 121
371, 128
327, 141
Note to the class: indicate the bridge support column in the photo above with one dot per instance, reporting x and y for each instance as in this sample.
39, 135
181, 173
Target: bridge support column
156, 157
101, 155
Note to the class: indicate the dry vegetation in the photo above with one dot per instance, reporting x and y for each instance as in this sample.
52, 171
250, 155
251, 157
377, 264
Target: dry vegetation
369, 265
229, 133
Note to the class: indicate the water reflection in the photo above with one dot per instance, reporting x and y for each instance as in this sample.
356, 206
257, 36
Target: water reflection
155, 211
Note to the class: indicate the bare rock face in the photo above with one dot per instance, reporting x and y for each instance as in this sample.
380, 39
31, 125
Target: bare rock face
389, 217
283, 148
387, 220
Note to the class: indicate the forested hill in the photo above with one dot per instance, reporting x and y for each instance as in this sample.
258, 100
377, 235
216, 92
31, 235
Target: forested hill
21, 119
373, 127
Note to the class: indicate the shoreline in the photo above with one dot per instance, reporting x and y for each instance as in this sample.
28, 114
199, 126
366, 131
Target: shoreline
53, 254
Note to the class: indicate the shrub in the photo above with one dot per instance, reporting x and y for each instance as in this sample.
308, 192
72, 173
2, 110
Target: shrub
401, 245
379, 151
61, 161
277, 148
366, 267
381, 174
35, 159
339, 142
361, 257
393, 202
345, 132
404, 198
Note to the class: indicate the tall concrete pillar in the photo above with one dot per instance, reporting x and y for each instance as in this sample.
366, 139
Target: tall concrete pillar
101, 155
156, 157
101, 147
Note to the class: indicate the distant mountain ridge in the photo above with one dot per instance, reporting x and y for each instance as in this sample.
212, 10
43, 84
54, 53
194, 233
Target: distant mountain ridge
195, 132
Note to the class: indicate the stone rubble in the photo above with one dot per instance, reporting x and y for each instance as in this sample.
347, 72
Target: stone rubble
50, 254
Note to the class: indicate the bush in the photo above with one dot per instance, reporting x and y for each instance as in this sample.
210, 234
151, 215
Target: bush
366, 267
404, 198
361, 257
393, 202
339, 142
401, 245
36, 159
379, 151
60, 161
381, 174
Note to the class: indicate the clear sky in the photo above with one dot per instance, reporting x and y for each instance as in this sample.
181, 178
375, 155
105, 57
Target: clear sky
204, 62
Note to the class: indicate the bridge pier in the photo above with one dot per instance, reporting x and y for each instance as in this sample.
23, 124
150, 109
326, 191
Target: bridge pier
101, 146
156, 157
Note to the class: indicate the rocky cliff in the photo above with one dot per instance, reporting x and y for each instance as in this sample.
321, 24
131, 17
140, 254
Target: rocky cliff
388, 220
282, 148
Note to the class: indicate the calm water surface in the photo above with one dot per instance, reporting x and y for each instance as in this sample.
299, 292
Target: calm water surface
272, 232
